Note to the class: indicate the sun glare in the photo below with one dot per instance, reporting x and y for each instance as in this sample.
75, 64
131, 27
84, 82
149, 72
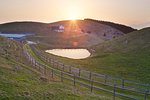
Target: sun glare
73, 18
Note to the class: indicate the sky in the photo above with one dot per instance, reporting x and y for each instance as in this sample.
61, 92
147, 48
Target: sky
135, 13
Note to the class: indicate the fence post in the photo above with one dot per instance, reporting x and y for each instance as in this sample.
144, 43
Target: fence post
114, 91
36, 67
105, 79
74, 80
57, 65
92, 85
90, 75
70, 69
31, 61
47, 59
52, 73
122, 83
145, 95
39, 67
50, 61
63, 67
61, 76
146, 92
147, 88
35, 63
44, 58
53, 63
45, 69
79, 72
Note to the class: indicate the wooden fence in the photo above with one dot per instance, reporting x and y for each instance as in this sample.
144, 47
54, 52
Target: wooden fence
71, 73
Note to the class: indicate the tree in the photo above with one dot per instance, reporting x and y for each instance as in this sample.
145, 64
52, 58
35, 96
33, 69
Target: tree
89, 32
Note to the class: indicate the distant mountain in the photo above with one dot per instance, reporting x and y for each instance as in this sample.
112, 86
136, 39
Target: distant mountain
134, 42
86, 32
19, 27
122, 28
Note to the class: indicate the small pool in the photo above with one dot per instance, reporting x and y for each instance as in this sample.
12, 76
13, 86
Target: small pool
15, 35
31, 42
70, 53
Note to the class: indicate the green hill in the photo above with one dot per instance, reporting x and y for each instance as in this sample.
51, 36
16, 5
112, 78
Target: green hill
125, 57
85, 32
122, 28
128, 55
134, 42
20, 81
22, 27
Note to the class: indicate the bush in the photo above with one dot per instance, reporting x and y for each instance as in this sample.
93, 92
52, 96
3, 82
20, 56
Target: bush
89, 32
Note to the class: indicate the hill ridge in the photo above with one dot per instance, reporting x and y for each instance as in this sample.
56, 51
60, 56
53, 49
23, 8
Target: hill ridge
123, 28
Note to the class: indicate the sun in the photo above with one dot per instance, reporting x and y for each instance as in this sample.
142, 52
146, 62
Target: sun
73, 18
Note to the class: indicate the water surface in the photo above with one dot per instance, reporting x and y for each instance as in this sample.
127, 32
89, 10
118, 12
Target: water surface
31, 42
70, 53
15, 35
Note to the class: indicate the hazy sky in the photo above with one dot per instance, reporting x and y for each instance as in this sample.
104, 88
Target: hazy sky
135, 13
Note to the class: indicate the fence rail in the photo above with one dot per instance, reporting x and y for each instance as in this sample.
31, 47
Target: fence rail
86, 76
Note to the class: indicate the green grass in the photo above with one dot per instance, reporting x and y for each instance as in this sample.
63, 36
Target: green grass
20, 81
77, 79
132, 94
116, 58
126, 57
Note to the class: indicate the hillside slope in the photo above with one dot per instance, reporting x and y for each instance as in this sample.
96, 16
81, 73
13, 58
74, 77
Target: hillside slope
134, 42
23, 27
122, 28
10, 49
84, 32
129, 53
20, 81
126, 57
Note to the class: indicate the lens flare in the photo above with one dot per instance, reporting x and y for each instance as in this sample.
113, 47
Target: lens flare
75, 44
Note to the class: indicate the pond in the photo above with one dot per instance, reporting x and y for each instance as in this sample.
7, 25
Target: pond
31, 42
70, 53
15, 35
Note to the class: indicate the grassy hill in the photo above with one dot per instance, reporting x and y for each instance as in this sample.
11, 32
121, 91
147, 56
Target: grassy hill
122, 28
130, 53
22, 27
20, 81
85, 32
133, 42
125, 57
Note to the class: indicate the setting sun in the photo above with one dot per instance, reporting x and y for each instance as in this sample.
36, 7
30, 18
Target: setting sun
73, 18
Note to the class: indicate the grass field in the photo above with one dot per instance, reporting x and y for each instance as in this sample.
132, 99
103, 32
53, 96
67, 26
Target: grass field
131, 94
126, 57
19, 81
22, 83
